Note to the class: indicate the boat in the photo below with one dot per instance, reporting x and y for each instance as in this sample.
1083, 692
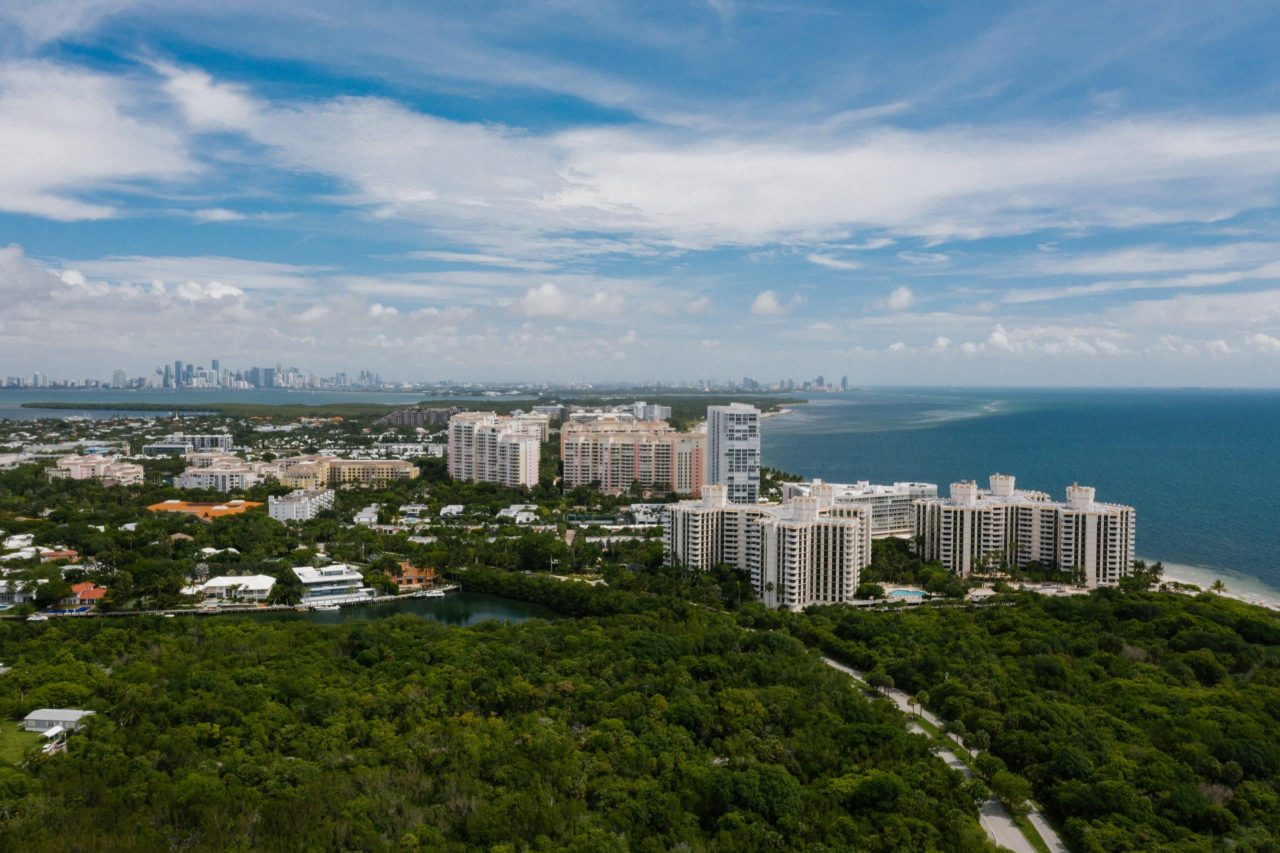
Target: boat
37, 617
325, 608
433, 593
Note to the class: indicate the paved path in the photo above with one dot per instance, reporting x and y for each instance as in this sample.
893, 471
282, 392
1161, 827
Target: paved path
993, 816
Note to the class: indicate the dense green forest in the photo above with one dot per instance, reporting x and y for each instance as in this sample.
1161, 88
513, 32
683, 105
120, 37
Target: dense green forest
1142, 721
666, 728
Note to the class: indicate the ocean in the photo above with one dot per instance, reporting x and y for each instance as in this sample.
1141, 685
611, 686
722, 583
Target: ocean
1201, 467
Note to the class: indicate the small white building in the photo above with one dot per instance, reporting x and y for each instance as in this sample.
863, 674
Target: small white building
300, 504
451, 511
333, 584
238, 588
44, 719
367, 516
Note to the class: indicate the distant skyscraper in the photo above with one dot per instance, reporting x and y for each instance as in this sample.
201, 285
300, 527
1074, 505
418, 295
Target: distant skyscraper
733, 451
177, 372
844, 383
214, 364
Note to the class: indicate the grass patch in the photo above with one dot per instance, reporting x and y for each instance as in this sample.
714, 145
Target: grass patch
1029, 832
14, 742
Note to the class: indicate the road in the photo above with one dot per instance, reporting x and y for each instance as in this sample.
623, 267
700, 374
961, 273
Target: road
994, 817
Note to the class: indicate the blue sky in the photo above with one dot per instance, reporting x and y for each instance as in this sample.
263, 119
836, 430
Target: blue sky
918, 193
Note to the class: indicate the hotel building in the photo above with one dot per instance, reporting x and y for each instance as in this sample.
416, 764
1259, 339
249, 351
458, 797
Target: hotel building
733, 451
892, 507
316, 471
619, 455
976, 529
485, 447
809, 550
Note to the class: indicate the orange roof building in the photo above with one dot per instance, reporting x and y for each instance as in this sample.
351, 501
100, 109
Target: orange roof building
413, 577
205, 510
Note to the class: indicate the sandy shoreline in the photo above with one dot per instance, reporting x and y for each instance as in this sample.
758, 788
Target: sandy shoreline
1239, 587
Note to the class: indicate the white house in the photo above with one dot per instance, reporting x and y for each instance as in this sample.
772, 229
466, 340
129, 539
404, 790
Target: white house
333, 584
241, 588
367, 516
43, 719
451, 511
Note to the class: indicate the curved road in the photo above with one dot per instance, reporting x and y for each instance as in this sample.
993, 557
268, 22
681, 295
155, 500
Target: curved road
993, 816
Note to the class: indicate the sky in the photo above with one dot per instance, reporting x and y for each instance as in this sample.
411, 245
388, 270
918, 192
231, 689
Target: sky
928, 193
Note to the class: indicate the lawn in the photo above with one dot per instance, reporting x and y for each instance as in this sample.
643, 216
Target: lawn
14, 742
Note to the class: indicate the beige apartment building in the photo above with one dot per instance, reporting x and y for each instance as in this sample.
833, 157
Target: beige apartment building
618, 455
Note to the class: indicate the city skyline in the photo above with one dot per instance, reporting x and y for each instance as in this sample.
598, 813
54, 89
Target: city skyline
993, 194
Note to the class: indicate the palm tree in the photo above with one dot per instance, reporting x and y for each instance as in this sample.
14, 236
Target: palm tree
1218, 586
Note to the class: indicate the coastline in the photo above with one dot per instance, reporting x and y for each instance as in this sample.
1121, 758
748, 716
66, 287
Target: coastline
1240, 587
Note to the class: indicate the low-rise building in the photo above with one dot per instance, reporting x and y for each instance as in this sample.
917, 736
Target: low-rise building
85, 594
254, 588
108, 470
317, 471
410, 578
367, 516
204, 510
336, 583
300, 504
44, 719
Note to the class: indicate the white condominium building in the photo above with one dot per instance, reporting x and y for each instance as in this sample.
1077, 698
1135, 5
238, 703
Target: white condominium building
976, 529
809, 550
108, 470
619, 455
733, 451
180, 443
643, 411
892, 507
300, 504
485, 447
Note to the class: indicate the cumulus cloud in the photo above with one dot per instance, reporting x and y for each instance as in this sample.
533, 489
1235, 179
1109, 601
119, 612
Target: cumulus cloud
900, 299
768, 304
1264, 342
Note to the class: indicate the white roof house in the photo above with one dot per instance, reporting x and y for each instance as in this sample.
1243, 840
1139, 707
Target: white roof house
243, 587
43, 719
451, 509
333, 584
368, 515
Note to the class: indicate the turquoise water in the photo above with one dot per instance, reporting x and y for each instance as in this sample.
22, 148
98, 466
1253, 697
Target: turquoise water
1202, 467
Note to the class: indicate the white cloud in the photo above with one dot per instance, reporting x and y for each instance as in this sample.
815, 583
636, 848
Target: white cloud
218, 214
900, 299
924, 257
698, 305
67, 133
682, 189
833, 263
768, 304
1264, 342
